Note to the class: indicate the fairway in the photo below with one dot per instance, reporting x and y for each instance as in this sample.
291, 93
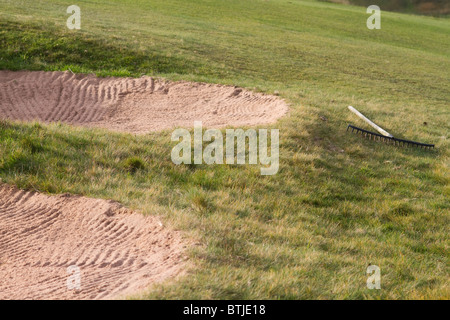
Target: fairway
338, 203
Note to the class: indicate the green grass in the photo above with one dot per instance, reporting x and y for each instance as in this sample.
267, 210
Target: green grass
430, 7
338, 202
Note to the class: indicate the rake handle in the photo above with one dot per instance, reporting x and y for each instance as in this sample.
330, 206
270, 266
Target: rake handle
378, 128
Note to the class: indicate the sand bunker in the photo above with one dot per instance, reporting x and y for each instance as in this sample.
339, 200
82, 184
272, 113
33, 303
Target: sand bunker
118, 252
130, 105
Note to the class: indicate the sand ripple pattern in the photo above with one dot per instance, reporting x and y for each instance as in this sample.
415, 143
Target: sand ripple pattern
130, 105
118, 252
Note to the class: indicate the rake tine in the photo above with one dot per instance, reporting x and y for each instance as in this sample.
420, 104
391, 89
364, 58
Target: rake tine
389, 140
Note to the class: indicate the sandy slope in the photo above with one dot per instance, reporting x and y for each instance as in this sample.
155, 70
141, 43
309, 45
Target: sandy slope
130, 105
118, 252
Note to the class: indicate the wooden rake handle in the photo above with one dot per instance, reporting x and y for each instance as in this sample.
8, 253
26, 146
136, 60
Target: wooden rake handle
379, 129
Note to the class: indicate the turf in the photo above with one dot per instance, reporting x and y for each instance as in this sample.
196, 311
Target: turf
338, 202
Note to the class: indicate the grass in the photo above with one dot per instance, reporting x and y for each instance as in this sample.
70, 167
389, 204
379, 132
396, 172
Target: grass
133, 164
430, 7
338, 202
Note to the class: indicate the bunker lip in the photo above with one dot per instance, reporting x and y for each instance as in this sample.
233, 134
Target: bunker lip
117, 251
132, 105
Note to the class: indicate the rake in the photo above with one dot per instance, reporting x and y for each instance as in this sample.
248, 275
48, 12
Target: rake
383, 135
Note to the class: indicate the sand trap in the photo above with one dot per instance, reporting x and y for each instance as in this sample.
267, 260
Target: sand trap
117, 251
130, 105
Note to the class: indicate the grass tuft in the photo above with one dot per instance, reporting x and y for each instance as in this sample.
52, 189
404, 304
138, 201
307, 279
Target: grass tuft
133, 164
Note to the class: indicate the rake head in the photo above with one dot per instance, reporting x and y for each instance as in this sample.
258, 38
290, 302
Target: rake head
379, 137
